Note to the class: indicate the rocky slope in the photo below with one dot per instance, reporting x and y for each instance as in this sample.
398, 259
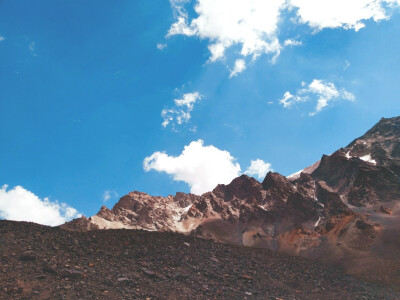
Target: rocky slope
344, 209
39, 262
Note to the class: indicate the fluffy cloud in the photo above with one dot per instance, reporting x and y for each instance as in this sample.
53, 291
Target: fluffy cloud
2, 38
324, 92
348, 14
181, 113
253, 24
19, 204
258, 168
201, 167
108, 194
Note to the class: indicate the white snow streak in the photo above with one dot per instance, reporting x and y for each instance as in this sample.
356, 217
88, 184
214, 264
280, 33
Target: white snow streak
294, 175
368, 158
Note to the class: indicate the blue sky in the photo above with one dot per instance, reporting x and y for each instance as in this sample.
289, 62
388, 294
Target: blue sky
84, 84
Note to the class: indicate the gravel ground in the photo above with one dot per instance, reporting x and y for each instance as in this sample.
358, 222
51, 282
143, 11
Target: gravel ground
40, 262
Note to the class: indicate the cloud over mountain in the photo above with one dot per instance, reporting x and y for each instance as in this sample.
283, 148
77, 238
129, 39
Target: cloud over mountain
258, 168
202, 167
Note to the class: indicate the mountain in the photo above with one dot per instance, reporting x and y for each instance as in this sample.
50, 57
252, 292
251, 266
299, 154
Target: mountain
343, 210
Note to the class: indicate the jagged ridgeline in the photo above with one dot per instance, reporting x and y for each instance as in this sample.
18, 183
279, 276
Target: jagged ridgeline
344, 209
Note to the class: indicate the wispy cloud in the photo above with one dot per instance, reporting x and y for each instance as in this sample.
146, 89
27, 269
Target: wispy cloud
181, 112
2, 38
322, 91
32, 46
109, 194
346, 65
161, 46
292, 43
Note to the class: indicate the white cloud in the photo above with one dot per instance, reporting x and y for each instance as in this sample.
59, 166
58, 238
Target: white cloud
217, 51
240, 66
288, 99
181, 113
292, 43
250, 24
201, 167
253, 25
258, 168
324, 92
19, 204
108, 194
2, 38
180, 27
161, 46
348, 14
188, 100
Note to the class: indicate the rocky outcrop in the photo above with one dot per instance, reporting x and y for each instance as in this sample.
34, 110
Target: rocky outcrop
358, 181
81, 224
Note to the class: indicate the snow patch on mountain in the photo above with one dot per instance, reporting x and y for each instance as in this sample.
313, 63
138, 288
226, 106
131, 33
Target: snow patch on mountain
368, 158
295, 175
307, 170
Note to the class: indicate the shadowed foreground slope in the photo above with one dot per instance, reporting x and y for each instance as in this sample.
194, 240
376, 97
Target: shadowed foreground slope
39, 262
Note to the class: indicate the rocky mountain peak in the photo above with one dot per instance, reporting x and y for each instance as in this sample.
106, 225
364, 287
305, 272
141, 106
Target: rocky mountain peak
273, 179
241, 187
380, 144
103, 210
278, 186
341, 205
386, 127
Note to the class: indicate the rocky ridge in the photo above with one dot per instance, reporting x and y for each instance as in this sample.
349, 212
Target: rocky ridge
344, 209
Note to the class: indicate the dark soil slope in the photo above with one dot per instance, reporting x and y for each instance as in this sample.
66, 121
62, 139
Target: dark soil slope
39, 262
